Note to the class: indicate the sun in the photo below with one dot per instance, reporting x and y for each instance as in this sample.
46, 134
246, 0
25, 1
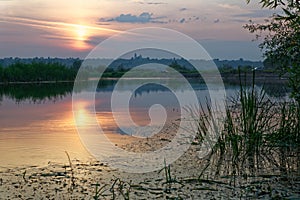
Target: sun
81, 35
81, 32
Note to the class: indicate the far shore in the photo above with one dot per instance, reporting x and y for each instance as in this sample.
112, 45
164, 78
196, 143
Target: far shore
233, 78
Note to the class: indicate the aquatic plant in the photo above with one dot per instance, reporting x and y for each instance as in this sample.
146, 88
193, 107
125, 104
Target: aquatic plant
257, 133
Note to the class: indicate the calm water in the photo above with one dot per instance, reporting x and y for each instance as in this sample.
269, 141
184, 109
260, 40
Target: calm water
37, 123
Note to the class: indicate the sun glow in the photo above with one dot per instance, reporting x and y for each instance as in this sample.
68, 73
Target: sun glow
81, 115
81, 36
75, 35
81, 32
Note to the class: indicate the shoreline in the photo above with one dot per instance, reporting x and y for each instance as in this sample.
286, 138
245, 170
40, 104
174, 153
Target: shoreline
96, 180
260, 77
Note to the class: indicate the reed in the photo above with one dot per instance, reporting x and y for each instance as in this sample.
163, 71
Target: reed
285, 141
73, 184
99, 191
120, 188
257, 134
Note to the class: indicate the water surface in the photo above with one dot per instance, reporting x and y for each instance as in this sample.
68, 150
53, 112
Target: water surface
37, 124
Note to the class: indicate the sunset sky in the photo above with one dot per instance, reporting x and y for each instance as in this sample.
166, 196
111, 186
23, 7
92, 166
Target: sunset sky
71, 28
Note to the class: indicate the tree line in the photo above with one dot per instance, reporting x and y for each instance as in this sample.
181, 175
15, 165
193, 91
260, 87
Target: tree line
37, 72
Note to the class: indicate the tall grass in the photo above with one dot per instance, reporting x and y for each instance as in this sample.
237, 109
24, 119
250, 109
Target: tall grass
257, 134
285, 140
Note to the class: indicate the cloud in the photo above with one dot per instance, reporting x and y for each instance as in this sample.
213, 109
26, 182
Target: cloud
240, 20
48, 24
216, 21
256, 14
151, 3
182, 9
185, 20
182, 20
58, 37
144, 17
229, 6
147, 17
95, 40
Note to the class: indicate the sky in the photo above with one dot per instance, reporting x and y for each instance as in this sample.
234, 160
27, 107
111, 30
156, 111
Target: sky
72, 28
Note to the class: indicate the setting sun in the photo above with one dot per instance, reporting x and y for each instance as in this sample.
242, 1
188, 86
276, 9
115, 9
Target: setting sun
81, 35
81, 32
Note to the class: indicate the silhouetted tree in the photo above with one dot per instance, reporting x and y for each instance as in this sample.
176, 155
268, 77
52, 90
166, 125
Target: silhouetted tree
281, 42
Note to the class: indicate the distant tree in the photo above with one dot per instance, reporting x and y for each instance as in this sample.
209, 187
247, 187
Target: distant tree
245, 68
1, 74
178, 67
37, 71
281, 39
77, 63
226, 68
121, 68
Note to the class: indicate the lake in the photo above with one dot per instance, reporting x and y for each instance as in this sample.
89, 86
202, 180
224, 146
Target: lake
37, 123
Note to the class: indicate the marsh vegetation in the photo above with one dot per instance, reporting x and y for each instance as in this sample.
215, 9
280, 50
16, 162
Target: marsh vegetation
259, 138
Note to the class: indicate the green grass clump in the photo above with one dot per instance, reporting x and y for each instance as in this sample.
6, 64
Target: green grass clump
257, 134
